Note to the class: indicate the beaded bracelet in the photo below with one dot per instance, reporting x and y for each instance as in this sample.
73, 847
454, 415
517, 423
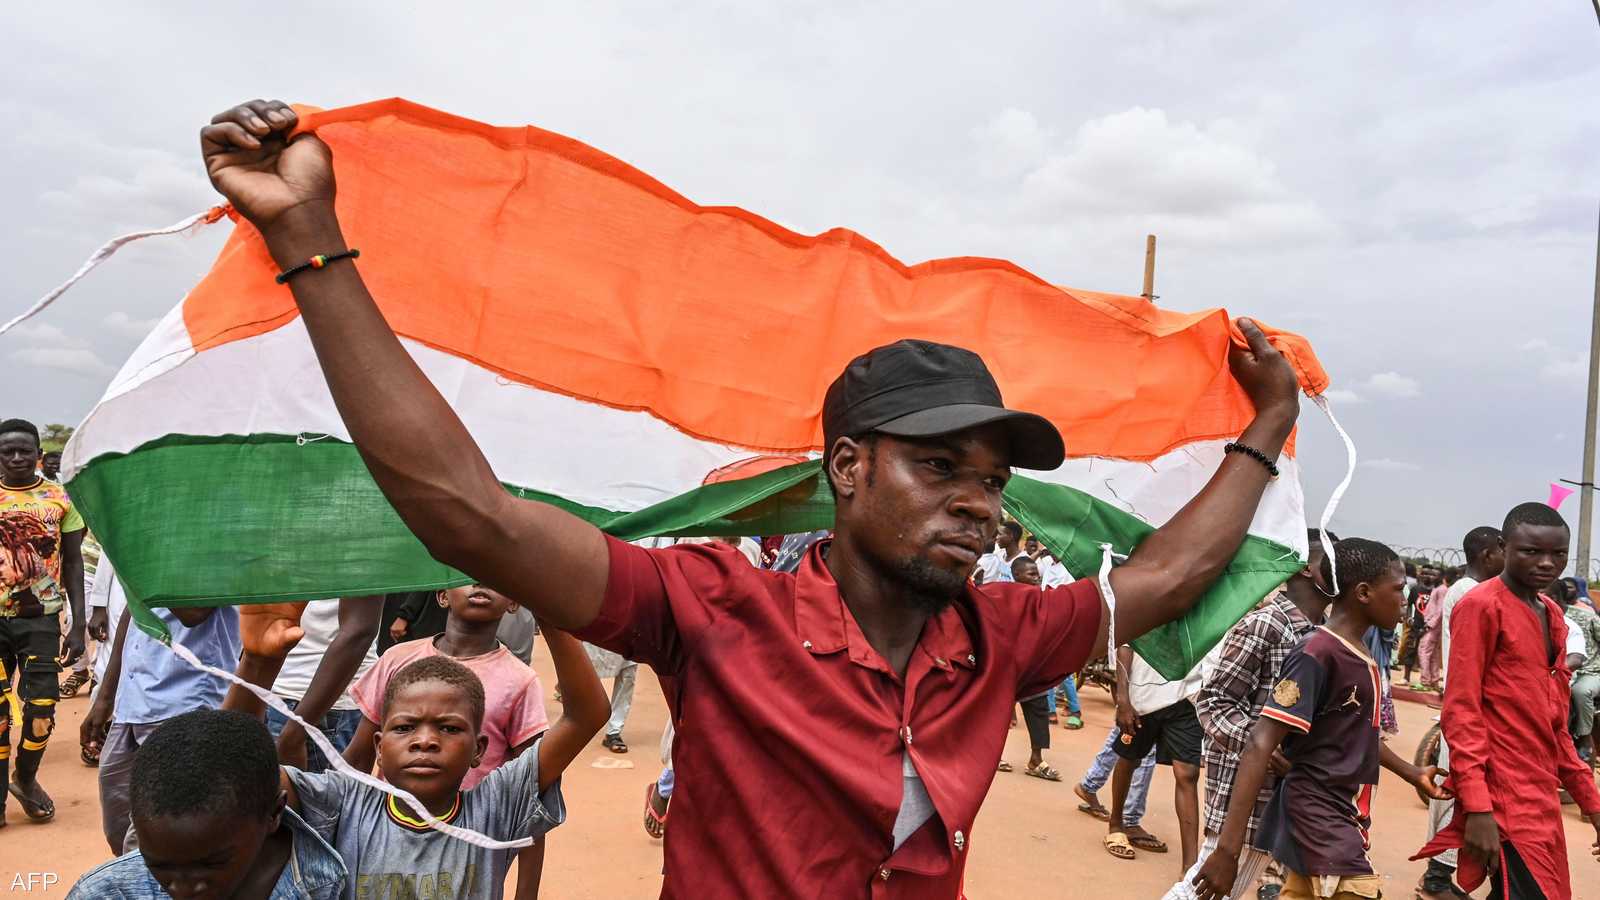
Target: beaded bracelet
315, 262
1253, 453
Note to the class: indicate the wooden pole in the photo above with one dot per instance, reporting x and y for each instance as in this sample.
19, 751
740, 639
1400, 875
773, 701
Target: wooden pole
1149, 268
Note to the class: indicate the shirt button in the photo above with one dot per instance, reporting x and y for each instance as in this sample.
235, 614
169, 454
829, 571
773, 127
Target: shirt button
939, 660
960, 840
806, 644
972, 659
905, 733
883, 874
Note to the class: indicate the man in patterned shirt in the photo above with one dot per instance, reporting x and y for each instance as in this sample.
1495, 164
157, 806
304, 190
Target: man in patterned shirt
41, 567
1238, 687
1585, 678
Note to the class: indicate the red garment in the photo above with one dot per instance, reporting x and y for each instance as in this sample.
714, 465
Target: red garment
792, 728
1505, 719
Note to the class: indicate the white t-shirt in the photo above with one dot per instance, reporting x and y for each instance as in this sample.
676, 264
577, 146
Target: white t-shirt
1576, 645
1149, 692
1451, 598
321, 623
996, 566
1053, 574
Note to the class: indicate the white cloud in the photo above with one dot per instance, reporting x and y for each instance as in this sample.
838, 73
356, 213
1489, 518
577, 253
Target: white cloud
1384, 464
1342, 396
79, 360
1571, 368
1393, 384
124, 324
46, 335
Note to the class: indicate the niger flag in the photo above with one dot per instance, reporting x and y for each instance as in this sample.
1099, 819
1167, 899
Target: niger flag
655, 366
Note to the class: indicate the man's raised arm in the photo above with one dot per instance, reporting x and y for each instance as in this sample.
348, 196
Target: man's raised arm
1169, 571
417, 450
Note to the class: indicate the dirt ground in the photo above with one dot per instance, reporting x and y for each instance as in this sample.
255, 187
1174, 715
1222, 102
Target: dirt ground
1028, 841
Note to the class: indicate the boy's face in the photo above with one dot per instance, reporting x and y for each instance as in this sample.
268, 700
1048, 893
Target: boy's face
428, 742
1385, 596
476, 603
1025, 571
203, 855
50, 463
1535, 554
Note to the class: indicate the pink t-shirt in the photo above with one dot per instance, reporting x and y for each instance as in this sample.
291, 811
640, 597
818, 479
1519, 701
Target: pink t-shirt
513, 707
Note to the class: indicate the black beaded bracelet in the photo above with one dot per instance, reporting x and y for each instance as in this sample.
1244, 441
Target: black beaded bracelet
1253, 453
315, 262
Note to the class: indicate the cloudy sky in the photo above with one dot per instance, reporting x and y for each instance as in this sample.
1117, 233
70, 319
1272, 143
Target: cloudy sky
1413, 186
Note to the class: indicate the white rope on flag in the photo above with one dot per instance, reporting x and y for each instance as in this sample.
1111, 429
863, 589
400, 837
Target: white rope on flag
1321, 401
336, 759
101, 255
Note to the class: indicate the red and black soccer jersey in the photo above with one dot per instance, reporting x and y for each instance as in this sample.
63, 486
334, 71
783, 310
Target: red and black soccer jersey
1318, 820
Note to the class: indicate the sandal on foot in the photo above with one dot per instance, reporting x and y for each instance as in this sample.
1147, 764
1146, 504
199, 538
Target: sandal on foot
1144, 840
1074, 722
90, 757
655, 824
613, 742
1116, 844
76, 680
1043, 770
1091, 805
38, 812
1005, 767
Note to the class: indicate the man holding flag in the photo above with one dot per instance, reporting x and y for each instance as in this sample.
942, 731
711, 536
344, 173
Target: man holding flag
845, 720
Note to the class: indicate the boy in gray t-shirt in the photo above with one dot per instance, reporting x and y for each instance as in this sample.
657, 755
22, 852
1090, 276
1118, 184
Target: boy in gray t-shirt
427, 742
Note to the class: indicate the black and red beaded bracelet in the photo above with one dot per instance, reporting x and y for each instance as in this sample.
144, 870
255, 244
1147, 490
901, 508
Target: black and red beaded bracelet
315, 262
1253, 453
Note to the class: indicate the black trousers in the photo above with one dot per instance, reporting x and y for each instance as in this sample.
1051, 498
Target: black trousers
1516, 877
1036, 714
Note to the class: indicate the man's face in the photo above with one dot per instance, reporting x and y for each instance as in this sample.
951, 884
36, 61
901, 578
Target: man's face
476, 603
1025, 571
1031, 546
1494, 561
19, 457
429, 743
922, 511
1386, 596
1535, 554
50, 464
1429, 577
203, 855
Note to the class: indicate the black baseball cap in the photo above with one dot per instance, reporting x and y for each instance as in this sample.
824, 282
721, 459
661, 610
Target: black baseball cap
922, 389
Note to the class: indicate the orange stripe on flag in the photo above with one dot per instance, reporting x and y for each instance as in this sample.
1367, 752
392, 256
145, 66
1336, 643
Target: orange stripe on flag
558, 266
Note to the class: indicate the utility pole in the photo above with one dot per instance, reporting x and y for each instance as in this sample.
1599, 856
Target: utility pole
1150, 267
1586, 489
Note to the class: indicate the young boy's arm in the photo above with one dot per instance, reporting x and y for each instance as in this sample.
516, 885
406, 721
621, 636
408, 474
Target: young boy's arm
268, 632
1420, 778
1215, 881
585, 707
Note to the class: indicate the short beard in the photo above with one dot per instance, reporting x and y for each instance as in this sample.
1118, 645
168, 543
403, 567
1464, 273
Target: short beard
932, 589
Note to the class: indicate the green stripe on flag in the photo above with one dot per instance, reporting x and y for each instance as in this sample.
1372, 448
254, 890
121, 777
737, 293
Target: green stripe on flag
1073, 525
190, 521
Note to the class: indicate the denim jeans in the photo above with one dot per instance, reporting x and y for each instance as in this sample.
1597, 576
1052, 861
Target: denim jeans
339, 725
1099, 775
1070, 685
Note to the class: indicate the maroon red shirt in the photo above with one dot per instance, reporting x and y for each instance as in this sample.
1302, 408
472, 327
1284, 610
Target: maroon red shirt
791, 727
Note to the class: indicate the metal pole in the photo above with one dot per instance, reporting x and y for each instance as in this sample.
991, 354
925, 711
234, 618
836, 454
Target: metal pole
1150, 265
1586, 502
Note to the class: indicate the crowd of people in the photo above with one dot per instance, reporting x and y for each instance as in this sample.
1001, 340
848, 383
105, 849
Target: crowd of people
863, 678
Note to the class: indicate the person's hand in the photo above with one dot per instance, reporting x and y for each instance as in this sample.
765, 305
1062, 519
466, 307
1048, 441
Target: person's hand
99, 624
1216, 877
73, 645
292, 746
1264, 373
1279, 764
1430, 781
1127, 720
262, 173
398, 629
1481, 839
96, 722
270, 630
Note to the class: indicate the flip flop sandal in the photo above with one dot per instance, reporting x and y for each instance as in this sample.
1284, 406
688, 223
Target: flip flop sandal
91, 758
69, 688
654, 825
1117, 845
1091, 806
614, 743
37, 812
1044, 771
1005, 767
1073, 723
1146, 841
